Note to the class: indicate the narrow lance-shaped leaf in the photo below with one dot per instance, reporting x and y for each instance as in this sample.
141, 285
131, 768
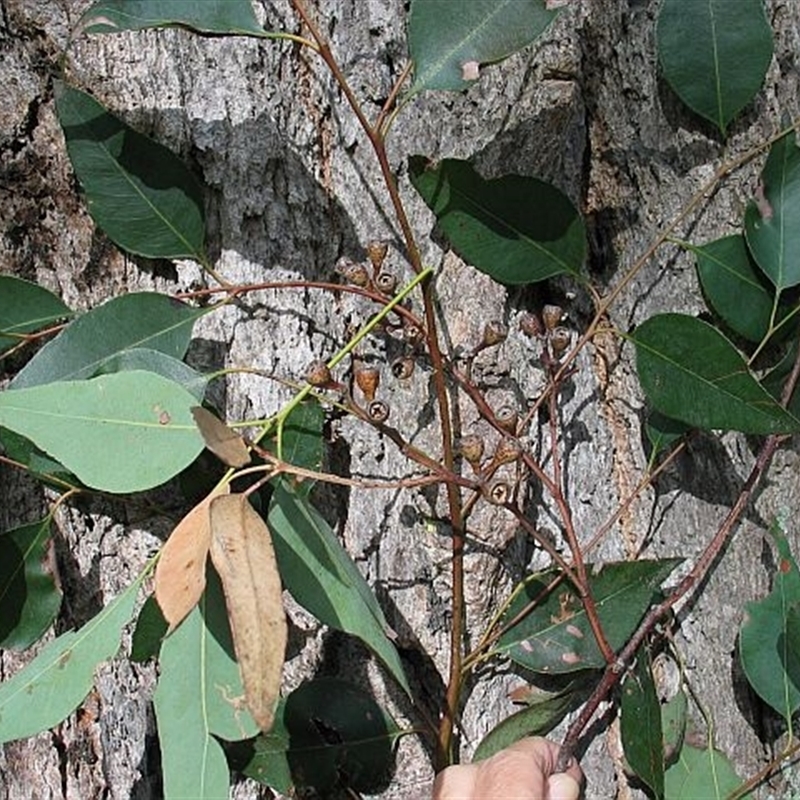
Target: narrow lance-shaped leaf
714, 53
517, 230
538, 719
772, 219
203, 16
181, 568
124, 432
44, 692
640, 725
241, 550
555, 637
769, 659
450, 41
691, 372
322, 577
26, 308
30, 594
200, 697
139, 192
96, 339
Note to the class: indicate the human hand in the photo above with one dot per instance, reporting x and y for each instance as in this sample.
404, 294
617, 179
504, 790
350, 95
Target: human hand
523, 771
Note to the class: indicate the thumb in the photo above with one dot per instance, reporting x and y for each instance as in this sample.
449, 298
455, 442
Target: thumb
562, 787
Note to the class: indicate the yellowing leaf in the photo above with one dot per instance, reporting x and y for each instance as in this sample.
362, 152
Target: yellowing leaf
223, 442
181, 569
242, 554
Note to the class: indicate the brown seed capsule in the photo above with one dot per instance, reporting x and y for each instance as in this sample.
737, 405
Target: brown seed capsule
376, 251
413, 334
507, 418
494, 333
508, 449
531, 325
559, 340
470, 447
368, 379
378, 411
498, 493
318, 374
403, 367
551, 316
357, 274
386, 283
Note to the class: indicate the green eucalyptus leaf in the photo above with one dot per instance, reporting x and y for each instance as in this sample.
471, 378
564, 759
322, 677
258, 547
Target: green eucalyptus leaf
734, 287
662, 431
103, 337
38, 463
200, 696
124, 432
691, 372
555, 636
26, 308
772, 220
769, 657
266, 759
517, 230
147, 360
338, 737
443, 37
30, 594
138, 191
151, 628
714, 54
203, 16
540, 717
674, 716
323, 578
700, 775
47, 690
301, 442
641, 725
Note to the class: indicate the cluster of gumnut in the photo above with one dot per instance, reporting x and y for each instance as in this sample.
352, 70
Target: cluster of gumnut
375, 279
554, 339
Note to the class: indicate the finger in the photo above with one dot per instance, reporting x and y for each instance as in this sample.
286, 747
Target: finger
520, 771
563, 786
455, 783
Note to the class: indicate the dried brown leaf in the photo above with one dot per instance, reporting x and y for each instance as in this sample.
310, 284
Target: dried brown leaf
181, 569
223, 442
242, 554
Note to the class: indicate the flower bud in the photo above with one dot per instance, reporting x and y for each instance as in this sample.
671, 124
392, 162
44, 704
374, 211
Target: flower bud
376, 251
508, 449
531, 325
470, 447
559, 340
551, 316
367, 379
498, 493
318, 374
494, 333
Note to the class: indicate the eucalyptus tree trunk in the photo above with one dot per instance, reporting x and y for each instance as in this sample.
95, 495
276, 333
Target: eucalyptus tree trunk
292, 186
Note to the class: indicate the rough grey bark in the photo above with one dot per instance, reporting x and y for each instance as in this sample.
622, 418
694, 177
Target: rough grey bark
292, 186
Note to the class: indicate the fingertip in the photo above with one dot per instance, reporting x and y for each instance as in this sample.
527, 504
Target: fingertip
563, 787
